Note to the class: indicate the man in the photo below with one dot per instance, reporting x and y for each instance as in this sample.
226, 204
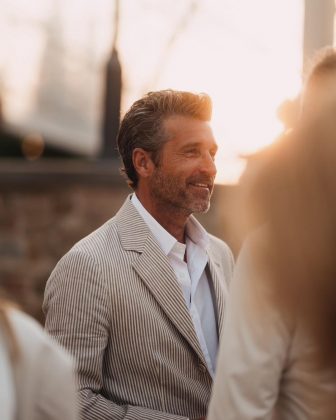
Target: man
140, 301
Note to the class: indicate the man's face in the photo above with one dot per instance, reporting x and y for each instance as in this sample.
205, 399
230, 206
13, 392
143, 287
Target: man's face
184, 177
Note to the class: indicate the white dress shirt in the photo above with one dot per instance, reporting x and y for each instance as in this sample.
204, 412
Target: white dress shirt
192, 277
7, 386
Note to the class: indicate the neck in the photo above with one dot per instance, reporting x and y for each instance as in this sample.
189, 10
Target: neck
170, 218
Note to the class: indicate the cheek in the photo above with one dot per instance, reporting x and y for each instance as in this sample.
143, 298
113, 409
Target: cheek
189, 165
191, 168
180, 170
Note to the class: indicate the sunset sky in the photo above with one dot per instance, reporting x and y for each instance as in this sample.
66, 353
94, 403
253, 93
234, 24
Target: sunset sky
246, 54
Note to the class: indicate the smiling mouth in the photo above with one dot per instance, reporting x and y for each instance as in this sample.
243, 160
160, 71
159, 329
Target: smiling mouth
201, 185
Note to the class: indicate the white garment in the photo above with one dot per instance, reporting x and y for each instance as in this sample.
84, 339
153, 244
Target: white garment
40, 384
264, 369
191, 276
7, 386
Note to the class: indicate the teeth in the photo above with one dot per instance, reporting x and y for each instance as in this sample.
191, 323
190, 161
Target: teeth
201, 185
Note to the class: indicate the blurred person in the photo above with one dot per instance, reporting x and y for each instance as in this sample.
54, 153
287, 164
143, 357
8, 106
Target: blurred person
278, 358
140, 301
36, 381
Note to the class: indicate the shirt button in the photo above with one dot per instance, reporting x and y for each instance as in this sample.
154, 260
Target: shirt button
202, 367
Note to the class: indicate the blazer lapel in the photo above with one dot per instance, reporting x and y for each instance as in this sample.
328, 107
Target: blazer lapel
154, 269
220, 288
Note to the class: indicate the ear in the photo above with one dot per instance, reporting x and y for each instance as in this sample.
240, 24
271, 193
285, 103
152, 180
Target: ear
142, 162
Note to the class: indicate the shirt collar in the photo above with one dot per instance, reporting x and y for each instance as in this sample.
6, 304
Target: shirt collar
194, 230
197, 234
164, 238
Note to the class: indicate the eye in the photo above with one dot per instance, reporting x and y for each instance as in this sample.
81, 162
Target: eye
191, 152
213, 154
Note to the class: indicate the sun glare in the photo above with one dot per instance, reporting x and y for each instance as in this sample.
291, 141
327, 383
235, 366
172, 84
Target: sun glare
248, 63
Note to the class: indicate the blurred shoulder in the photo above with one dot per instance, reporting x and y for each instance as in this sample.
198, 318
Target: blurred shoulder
34, 341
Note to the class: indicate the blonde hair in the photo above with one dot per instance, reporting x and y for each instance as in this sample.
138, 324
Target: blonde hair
7, 330
323, 63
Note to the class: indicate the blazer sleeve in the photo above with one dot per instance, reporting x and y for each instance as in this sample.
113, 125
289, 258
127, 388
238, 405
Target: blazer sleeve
76, 305
253, 349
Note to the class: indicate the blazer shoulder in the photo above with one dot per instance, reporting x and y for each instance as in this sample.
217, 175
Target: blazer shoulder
121, 233
223, 253
220, 246
99, 239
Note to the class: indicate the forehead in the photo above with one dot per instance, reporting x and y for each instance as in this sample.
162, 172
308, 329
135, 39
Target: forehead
181, 130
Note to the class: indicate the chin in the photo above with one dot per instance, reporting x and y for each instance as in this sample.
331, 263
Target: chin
200, 207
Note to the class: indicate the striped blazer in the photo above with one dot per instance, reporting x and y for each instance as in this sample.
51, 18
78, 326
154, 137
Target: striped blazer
115, 303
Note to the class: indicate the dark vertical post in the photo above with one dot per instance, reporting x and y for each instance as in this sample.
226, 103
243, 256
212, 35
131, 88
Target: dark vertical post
112, 96
318, 26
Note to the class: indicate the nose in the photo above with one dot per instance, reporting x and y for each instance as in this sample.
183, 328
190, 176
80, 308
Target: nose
208, 165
